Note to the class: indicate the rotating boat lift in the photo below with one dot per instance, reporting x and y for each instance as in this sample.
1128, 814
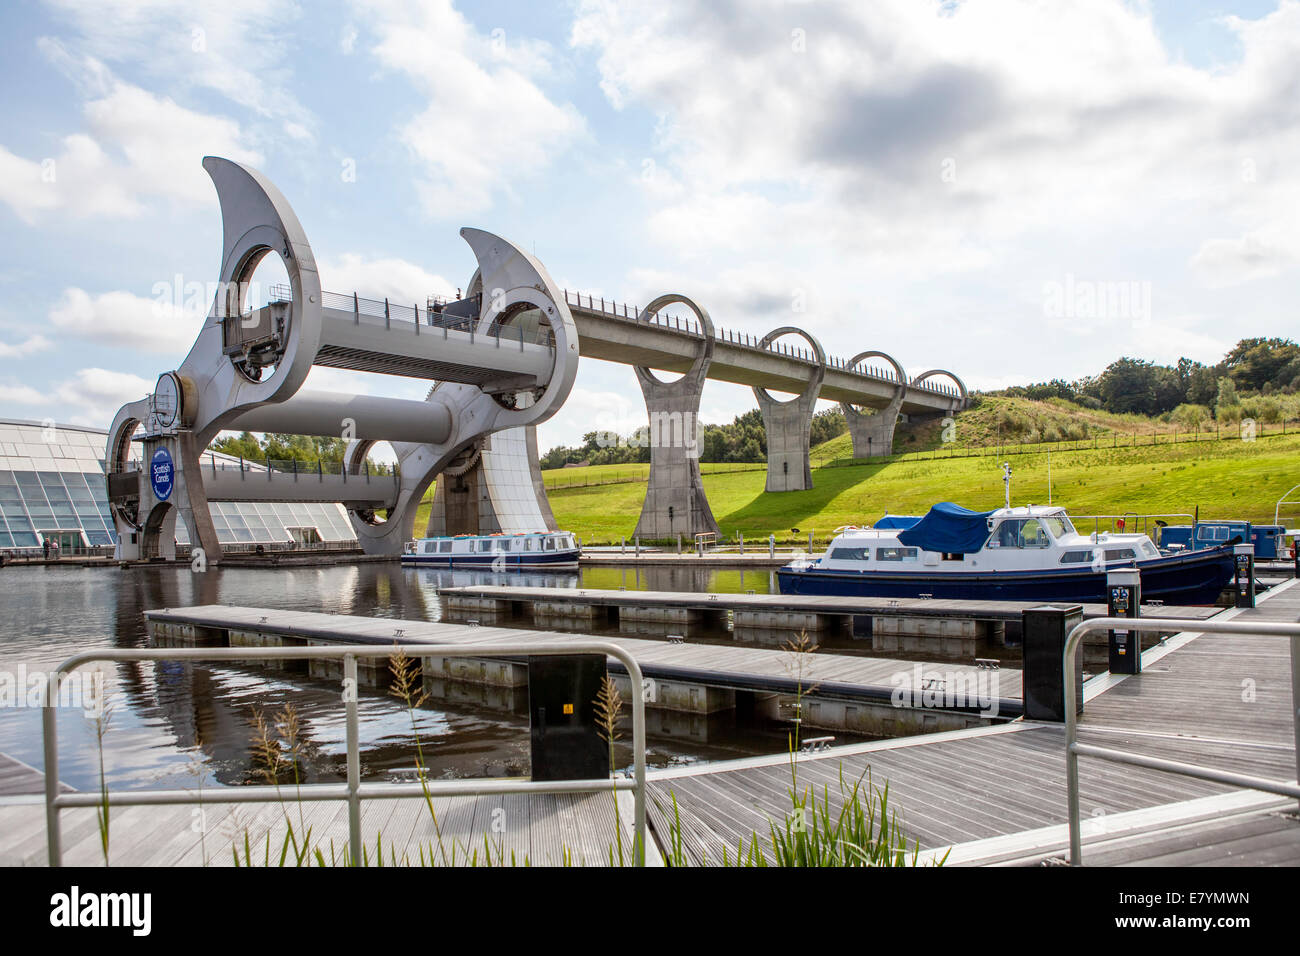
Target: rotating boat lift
504, 357
501, 360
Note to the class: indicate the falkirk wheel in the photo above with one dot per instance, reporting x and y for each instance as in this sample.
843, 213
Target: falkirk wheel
502, 358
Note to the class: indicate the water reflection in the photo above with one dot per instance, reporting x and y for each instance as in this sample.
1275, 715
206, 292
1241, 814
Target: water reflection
181, 725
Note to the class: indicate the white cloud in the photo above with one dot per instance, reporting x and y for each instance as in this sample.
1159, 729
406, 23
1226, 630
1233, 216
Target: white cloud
100, 389
23, 395
241, 49
123, 320
325, 379
90, 397
915, 167
488, 124
348, 39
396, 279
1226, 262
139, 146
28, 346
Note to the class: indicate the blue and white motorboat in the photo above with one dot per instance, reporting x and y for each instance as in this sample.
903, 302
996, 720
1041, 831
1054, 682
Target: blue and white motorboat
535, 550
1030, 553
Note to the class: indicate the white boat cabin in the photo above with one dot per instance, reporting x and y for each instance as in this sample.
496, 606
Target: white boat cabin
1033, 537
531, 543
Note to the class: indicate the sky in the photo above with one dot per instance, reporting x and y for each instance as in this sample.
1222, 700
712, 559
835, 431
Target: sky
1011, 190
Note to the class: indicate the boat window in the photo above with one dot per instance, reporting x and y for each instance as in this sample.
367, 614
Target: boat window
1057, 526
444, 547
851, 554
1212, 533
532, 544
1076, 557
430, 547
550, 544
1120, 554
895, 554
1019, 533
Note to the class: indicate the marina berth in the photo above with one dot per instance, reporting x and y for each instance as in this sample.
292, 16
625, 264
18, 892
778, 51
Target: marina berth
1030, 553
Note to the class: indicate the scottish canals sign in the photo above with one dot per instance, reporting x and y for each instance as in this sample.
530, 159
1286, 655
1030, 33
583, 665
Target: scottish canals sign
162, 474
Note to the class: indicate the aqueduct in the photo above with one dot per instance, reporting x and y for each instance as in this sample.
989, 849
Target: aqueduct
500, 360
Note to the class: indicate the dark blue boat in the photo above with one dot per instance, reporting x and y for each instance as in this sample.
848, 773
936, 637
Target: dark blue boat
1011, 554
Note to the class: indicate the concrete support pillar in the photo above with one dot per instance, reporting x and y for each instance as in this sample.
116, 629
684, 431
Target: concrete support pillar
789, 423
674, 500
873, 432
497, 488
171, 485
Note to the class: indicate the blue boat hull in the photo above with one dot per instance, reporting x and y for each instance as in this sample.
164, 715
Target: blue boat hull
1195, 578
524, 561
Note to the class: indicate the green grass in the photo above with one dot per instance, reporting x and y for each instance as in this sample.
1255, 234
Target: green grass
1229, 478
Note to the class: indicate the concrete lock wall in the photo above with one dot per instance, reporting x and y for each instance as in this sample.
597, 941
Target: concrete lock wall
956, 637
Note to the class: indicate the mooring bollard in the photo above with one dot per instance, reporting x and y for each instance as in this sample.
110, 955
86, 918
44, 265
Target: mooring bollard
771, 546
741, 538
637, 540
679, 542
1244, 558
1043, 645
810, 543
1124, 586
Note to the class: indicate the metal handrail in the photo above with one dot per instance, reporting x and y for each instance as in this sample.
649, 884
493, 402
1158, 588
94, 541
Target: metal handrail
1073, 748
353, 791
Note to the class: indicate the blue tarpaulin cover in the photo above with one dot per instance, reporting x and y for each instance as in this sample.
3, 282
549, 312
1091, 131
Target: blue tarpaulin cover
949, 528
896, 522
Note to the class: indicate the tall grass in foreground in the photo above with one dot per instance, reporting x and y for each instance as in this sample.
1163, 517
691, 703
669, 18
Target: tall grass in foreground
866, 830
103, 717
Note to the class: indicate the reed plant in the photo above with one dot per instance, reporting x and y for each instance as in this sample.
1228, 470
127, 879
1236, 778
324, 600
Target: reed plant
103, 718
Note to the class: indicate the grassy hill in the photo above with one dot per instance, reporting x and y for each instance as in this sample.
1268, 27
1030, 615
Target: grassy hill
1137, 465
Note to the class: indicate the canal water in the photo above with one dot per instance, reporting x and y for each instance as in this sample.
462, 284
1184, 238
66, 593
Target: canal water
189, 726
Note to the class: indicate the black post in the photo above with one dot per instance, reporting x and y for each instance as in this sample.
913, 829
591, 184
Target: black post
566, 741
1124, 587
1244, 557
1044, 633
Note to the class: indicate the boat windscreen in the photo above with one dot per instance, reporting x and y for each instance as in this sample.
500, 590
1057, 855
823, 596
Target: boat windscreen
1057, 525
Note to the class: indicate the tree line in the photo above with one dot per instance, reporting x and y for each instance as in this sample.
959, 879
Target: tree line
743, 440
280, 447
1258, 378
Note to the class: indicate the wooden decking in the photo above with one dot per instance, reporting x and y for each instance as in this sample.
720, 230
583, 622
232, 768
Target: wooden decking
838, 675
18, 779
538, 830
1262, 837
1001, 611
981, 792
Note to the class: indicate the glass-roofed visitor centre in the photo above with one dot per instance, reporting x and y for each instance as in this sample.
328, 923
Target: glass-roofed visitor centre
52, 489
